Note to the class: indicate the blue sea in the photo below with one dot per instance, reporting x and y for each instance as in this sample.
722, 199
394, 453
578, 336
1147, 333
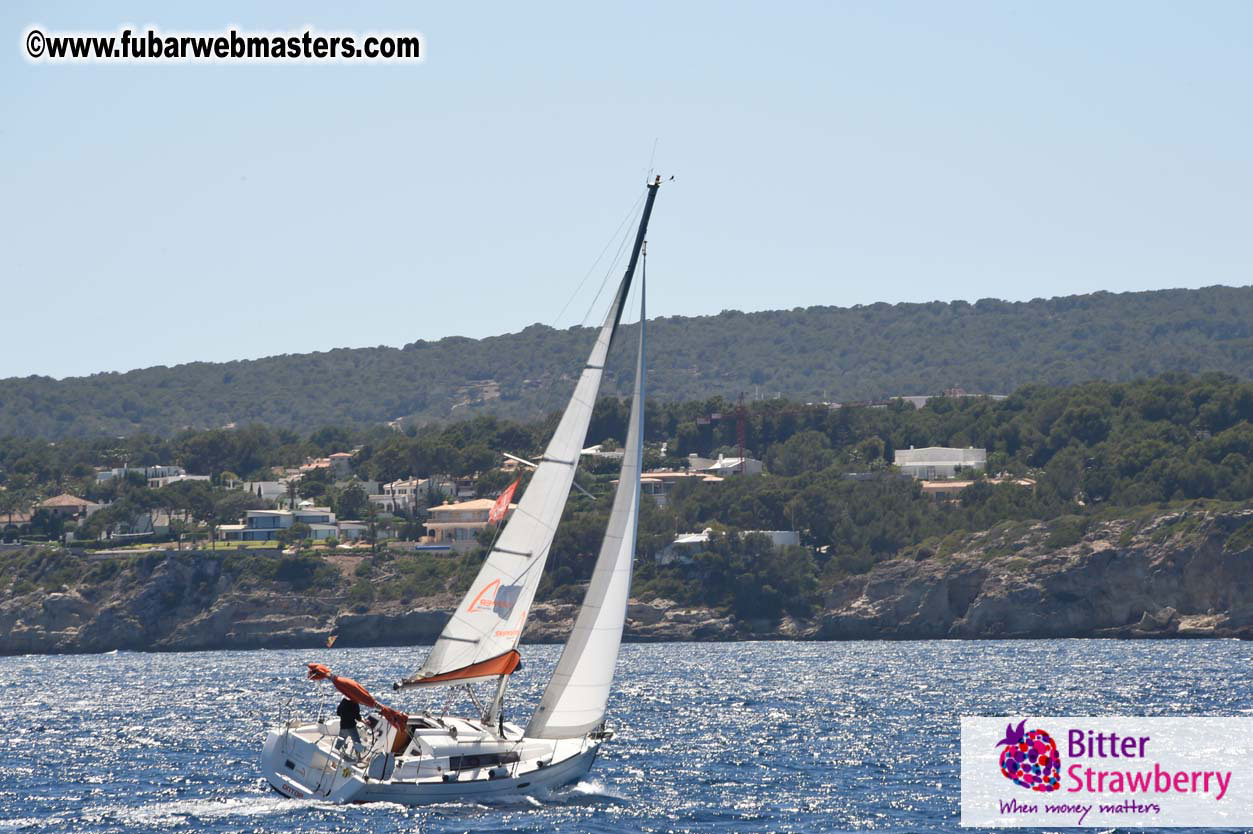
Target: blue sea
731, 737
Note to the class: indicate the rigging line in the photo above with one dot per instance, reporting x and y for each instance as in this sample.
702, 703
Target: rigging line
652, 156
604, 281
595, 263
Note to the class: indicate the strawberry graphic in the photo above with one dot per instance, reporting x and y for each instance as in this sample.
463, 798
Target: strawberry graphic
1030, 759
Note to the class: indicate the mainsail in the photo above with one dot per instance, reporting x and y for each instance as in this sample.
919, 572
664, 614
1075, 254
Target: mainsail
574, 701
479, 640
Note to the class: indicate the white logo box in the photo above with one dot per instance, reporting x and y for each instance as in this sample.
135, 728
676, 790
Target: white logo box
1117, 771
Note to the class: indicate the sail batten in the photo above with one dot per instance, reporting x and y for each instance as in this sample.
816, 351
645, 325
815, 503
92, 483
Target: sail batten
574, 700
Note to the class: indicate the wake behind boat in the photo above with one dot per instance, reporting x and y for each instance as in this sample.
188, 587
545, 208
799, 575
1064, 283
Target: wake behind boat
435, 758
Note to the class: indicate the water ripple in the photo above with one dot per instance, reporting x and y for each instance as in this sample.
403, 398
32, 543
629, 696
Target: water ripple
747, 737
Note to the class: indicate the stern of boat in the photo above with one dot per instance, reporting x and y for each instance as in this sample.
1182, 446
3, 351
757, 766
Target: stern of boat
305, 761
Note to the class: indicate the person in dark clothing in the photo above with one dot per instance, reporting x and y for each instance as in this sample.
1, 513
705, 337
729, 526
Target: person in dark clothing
349, 714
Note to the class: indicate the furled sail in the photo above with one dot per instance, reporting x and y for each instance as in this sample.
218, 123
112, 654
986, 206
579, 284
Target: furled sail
488, 621
574, 701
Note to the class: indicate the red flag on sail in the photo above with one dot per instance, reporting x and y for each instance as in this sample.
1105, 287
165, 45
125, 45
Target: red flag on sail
501, 507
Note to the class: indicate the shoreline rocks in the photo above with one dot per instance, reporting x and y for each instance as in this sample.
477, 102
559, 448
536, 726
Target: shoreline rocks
1175, 575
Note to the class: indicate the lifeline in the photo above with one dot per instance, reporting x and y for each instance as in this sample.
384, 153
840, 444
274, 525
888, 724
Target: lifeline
1155, 781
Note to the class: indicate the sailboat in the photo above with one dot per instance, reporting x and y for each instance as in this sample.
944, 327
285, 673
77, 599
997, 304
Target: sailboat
430, 757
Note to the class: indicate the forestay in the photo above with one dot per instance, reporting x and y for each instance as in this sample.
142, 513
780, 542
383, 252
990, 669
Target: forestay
574, 701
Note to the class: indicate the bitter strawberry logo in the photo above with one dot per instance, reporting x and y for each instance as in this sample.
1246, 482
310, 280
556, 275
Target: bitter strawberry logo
1030, 758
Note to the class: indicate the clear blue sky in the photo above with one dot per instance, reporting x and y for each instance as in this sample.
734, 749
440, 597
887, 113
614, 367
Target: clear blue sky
829, 153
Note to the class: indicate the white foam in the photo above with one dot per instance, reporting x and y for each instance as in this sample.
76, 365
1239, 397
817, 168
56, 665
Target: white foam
164, 813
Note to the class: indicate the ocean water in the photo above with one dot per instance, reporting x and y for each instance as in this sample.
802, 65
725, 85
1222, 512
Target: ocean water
732, 737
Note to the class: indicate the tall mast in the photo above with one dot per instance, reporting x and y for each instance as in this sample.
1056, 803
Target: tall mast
493, 713
639, 241
479, 641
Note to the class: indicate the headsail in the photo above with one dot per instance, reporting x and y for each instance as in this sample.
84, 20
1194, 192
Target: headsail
488, 621
575, 699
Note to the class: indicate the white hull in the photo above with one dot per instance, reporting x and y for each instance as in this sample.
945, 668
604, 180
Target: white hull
304, 760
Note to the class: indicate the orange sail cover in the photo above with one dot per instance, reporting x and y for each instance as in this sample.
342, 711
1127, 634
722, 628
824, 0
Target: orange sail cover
501, 664
356, 692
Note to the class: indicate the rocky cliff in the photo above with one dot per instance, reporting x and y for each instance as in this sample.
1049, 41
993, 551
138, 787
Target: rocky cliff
1164, 574
1184, 573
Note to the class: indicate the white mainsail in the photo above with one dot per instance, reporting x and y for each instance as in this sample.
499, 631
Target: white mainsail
574, 701
488, 622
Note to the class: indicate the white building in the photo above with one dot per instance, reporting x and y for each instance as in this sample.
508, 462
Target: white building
157, 483
921, 400
724, 466
659, 482
935, 462
400, 497
599, 451
683, 548
265, 525
266, 490
341, 463
146, 472
406, 495
352, 530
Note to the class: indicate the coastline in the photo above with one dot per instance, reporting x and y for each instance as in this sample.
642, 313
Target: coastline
1170, 574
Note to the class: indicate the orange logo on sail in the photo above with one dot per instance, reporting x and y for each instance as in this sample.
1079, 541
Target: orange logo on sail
485, 600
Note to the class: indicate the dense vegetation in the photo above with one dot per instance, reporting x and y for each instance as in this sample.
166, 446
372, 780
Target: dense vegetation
819, 353
1092, 449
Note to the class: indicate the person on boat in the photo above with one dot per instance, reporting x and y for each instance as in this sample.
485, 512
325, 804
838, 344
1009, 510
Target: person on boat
349, 714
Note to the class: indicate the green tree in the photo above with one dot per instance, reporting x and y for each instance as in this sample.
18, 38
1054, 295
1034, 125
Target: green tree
808, 451
352, 502
294, 535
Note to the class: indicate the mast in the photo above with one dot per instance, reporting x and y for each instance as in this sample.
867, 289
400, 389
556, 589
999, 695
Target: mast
621, 514
639, 240
480, 640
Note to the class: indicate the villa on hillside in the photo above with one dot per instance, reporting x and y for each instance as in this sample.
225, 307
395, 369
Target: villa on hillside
458, 525
687, 545
724, 466
599, 451
340, 464
145, 472
946, 490
659, 482
266, 490
400, 496
920, 401
936, 462
166, 480
14, 522
69, 506
403, 496
265, 525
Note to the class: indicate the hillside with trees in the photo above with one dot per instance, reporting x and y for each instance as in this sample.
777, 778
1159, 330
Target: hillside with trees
813, 354
1090, 452
1090, 490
